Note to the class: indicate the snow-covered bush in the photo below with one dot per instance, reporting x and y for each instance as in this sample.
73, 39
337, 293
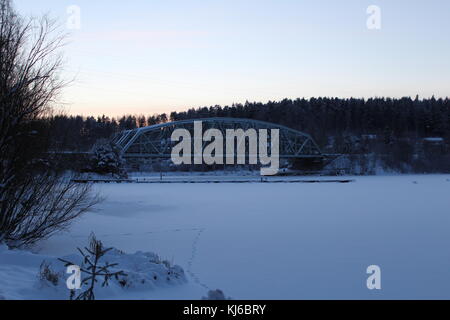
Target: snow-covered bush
107, 160
216, 295
136, 272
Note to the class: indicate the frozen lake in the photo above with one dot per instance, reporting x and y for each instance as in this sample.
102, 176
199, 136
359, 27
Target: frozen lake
283, 241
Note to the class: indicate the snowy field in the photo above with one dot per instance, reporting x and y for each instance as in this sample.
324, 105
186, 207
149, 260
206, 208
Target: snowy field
277, 241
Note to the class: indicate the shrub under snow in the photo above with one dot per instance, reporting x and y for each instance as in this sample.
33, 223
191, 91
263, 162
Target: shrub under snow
47, 275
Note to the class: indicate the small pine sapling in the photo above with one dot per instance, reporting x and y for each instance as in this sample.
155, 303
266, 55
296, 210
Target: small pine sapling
93, 269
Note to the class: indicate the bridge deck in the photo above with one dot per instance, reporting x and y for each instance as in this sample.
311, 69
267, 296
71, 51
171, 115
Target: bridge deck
214, 180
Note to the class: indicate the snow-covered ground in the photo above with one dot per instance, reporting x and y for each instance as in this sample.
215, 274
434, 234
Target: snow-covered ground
274, 241
21, 275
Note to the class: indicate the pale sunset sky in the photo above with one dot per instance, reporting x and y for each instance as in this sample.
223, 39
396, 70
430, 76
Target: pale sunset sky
153, 56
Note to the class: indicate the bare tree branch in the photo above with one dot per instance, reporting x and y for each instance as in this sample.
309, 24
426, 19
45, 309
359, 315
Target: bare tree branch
35, 200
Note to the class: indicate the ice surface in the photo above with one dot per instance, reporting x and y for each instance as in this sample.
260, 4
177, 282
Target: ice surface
278, 241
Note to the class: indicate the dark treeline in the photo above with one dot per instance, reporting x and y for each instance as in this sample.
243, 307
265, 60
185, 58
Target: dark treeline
395, 128
78, 133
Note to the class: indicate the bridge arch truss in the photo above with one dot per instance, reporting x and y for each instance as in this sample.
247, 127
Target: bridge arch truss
155, 141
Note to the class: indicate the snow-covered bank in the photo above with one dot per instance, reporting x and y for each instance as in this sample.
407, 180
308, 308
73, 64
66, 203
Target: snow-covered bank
21, 275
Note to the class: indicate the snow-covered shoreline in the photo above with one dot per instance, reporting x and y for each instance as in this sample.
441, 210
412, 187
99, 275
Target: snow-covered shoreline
21, 276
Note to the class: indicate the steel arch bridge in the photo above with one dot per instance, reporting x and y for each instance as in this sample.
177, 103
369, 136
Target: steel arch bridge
155, 141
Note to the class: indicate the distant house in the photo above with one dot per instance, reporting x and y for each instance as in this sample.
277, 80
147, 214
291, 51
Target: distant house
369, 136
433, 145
434, 141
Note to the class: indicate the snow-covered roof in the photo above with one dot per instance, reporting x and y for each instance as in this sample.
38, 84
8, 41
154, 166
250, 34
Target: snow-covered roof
434, 139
